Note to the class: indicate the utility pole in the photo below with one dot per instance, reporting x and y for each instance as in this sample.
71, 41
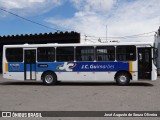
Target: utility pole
106, 33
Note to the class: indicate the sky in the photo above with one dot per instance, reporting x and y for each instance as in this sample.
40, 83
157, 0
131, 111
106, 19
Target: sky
92, 18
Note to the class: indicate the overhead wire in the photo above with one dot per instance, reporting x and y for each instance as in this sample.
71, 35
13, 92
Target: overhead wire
123, 37
26, 19
86, 36
136, 35
90, 40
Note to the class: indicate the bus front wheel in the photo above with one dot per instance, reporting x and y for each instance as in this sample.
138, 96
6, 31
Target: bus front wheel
49, 78
122, 79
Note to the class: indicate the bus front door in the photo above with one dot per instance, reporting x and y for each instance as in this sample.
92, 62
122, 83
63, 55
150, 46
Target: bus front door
30, 64
144, 63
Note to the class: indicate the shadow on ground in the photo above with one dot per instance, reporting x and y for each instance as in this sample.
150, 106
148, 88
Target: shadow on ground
132, 84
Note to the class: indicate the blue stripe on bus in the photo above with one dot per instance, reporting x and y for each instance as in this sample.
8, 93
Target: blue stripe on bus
27, 67
71, 66
83, 66
33, 67
15, 67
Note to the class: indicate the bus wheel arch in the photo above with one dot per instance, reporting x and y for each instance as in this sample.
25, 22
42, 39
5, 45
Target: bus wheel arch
123, 78
49, 78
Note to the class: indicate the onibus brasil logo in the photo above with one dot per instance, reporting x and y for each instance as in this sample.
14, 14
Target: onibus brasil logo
67, 66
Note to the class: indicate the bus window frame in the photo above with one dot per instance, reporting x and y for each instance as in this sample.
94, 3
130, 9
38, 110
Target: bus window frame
19, 54
93, 54
135, 50
66, 54
106, 54
46, 61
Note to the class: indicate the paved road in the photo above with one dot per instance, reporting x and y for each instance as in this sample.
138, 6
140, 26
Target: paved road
26, 96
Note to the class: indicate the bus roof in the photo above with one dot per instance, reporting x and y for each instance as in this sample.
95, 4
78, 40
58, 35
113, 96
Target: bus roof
84, 44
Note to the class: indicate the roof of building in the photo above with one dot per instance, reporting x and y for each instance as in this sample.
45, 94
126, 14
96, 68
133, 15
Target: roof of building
40, 34
57, 37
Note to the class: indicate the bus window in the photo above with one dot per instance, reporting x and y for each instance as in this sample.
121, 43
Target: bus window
65, 54
126, 53
85, 53
45, 54
12, 56
105, 53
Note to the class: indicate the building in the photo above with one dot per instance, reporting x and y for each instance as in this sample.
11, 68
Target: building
58, 37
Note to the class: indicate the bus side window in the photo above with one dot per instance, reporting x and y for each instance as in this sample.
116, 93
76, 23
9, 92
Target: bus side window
12, 56
89, 58
121, 57
85, 53
105, 53
99, 58
126, 53
65, 54
45, 54
79, 58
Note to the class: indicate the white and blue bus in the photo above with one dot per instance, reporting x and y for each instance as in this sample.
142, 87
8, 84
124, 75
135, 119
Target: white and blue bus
50, 63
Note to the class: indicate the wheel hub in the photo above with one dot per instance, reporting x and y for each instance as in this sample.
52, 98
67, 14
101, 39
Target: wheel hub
49, 79
123, 78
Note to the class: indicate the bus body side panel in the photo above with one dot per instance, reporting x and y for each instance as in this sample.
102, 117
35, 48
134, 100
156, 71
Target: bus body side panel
105, 76
154, 72
86, 76
38, 76
82, 76
14, 70
14, 76
133, 69
83, 71
76, 76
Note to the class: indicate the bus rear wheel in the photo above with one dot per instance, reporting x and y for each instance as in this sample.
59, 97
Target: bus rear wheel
122, 79
49, 78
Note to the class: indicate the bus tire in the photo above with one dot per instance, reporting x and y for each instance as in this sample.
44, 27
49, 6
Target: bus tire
123, 79
49, 78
